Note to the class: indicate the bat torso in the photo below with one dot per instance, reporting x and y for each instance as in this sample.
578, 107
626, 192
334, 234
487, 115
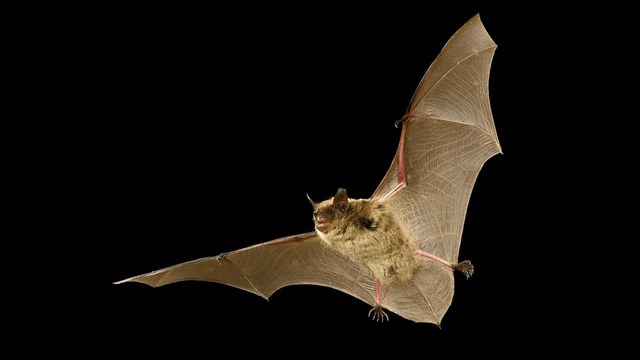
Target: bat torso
370, 235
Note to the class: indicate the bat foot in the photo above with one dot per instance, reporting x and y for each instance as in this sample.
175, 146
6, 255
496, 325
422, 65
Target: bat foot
464, 267
377, 314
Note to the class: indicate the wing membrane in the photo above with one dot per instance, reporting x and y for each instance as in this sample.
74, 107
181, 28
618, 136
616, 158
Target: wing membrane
448, 135
264, 268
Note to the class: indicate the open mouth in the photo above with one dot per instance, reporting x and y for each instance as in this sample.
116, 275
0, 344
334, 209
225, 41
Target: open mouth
322, 226
322, 223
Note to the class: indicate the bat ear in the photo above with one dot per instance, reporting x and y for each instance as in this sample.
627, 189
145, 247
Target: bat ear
313, 203
341, 200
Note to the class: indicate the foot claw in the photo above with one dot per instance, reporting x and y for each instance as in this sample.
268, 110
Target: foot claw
377, 314
220, 257
465, 267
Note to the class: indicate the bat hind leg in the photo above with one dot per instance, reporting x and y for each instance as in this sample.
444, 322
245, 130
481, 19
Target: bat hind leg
376, 313
465, 267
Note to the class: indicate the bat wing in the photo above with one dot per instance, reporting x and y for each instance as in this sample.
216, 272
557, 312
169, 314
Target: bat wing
447, 135
264, 268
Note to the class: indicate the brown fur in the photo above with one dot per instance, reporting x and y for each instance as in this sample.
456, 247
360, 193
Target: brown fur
368, 234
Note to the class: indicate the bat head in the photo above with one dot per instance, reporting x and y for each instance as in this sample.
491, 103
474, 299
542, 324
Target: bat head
327, 212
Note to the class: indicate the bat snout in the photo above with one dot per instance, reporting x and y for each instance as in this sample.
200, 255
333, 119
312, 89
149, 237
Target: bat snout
323, 224
321, 219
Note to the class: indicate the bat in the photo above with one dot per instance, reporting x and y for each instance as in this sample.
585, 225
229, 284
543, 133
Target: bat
397, 250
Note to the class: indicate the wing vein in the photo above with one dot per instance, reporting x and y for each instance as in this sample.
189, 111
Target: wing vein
246, 278
439, 224
461, 123
429, 304
449, 71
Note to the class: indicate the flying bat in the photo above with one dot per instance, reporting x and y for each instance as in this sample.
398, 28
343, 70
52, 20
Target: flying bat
397, 250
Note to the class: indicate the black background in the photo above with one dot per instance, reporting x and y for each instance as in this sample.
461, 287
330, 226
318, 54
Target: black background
209, 126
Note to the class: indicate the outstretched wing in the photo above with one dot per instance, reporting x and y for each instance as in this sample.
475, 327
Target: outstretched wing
447, 135
264, 268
